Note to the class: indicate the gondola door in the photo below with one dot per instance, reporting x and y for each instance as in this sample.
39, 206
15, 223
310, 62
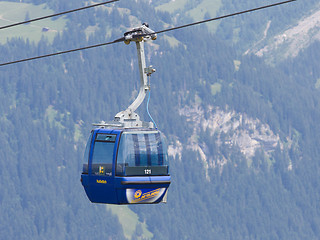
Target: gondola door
99, 181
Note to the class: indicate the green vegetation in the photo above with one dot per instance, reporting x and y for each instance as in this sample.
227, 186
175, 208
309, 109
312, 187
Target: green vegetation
317, 84
210, 7
54, 118
197, 11
237, 64
215, 88
130, 222
172, 6
47, 107
12, 12
77, 132
205, 10
172, 41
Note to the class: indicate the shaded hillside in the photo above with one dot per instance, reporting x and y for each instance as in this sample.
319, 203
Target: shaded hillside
218, 190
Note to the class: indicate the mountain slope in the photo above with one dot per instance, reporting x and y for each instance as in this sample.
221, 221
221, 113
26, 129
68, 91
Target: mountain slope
13, 12
243, 135
291, 42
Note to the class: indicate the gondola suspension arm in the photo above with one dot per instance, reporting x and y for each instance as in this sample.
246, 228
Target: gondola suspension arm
128, 117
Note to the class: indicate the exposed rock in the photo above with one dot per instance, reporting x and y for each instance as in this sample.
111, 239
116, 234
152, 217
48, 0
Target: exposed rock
291, 41
247, 133
239, 130
175, 149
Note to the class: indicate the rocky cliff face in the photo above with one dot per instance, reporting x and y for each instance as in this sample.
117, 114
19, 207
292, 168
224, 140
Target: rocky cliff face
238, 130
290, 42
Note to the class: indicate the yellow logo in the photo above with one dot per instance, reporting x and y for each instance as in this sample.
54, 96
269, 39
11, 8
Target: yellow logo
141, 197
101, 181
137, 194
101, 170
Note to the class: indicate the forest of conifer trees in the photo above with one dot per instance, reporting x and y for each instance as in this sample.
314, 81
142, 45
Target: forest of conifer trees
47, 107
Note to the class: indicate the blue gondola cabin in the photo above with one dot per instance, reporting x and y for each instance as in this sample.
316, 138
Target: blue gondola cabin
126, 166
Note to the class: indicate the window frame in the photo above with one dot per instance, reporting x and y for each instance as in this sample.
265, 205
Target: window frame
164, 152
91, 157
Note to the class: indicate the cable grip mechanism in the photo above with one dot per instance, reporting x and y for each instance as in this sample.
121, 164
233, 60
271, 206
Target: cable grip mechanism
139, 34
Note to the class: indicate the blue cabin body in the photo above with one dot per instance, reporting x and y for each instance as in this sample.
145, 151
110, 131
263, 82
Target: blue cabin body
126, 166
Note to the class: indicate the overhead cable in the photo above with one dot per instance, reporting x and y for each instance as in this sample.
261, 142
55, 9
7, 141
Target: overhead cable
162, 31
58, 53
225, 16
57, 14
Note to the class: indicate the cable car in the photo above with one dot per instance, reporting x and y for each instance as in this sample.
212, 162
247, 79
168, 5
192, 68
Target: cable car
126, 160
126, 166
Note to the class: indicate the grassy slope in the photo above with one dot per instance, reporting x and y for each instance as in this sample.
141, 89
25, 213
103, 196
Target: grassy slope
210, 7
198, 13
172, 6
16, 12
129, 221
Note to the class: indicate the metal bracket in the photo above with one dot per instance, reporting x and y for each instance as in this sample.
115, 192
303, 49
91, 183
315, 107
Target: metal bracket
149, 70
140, 34
128, 118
